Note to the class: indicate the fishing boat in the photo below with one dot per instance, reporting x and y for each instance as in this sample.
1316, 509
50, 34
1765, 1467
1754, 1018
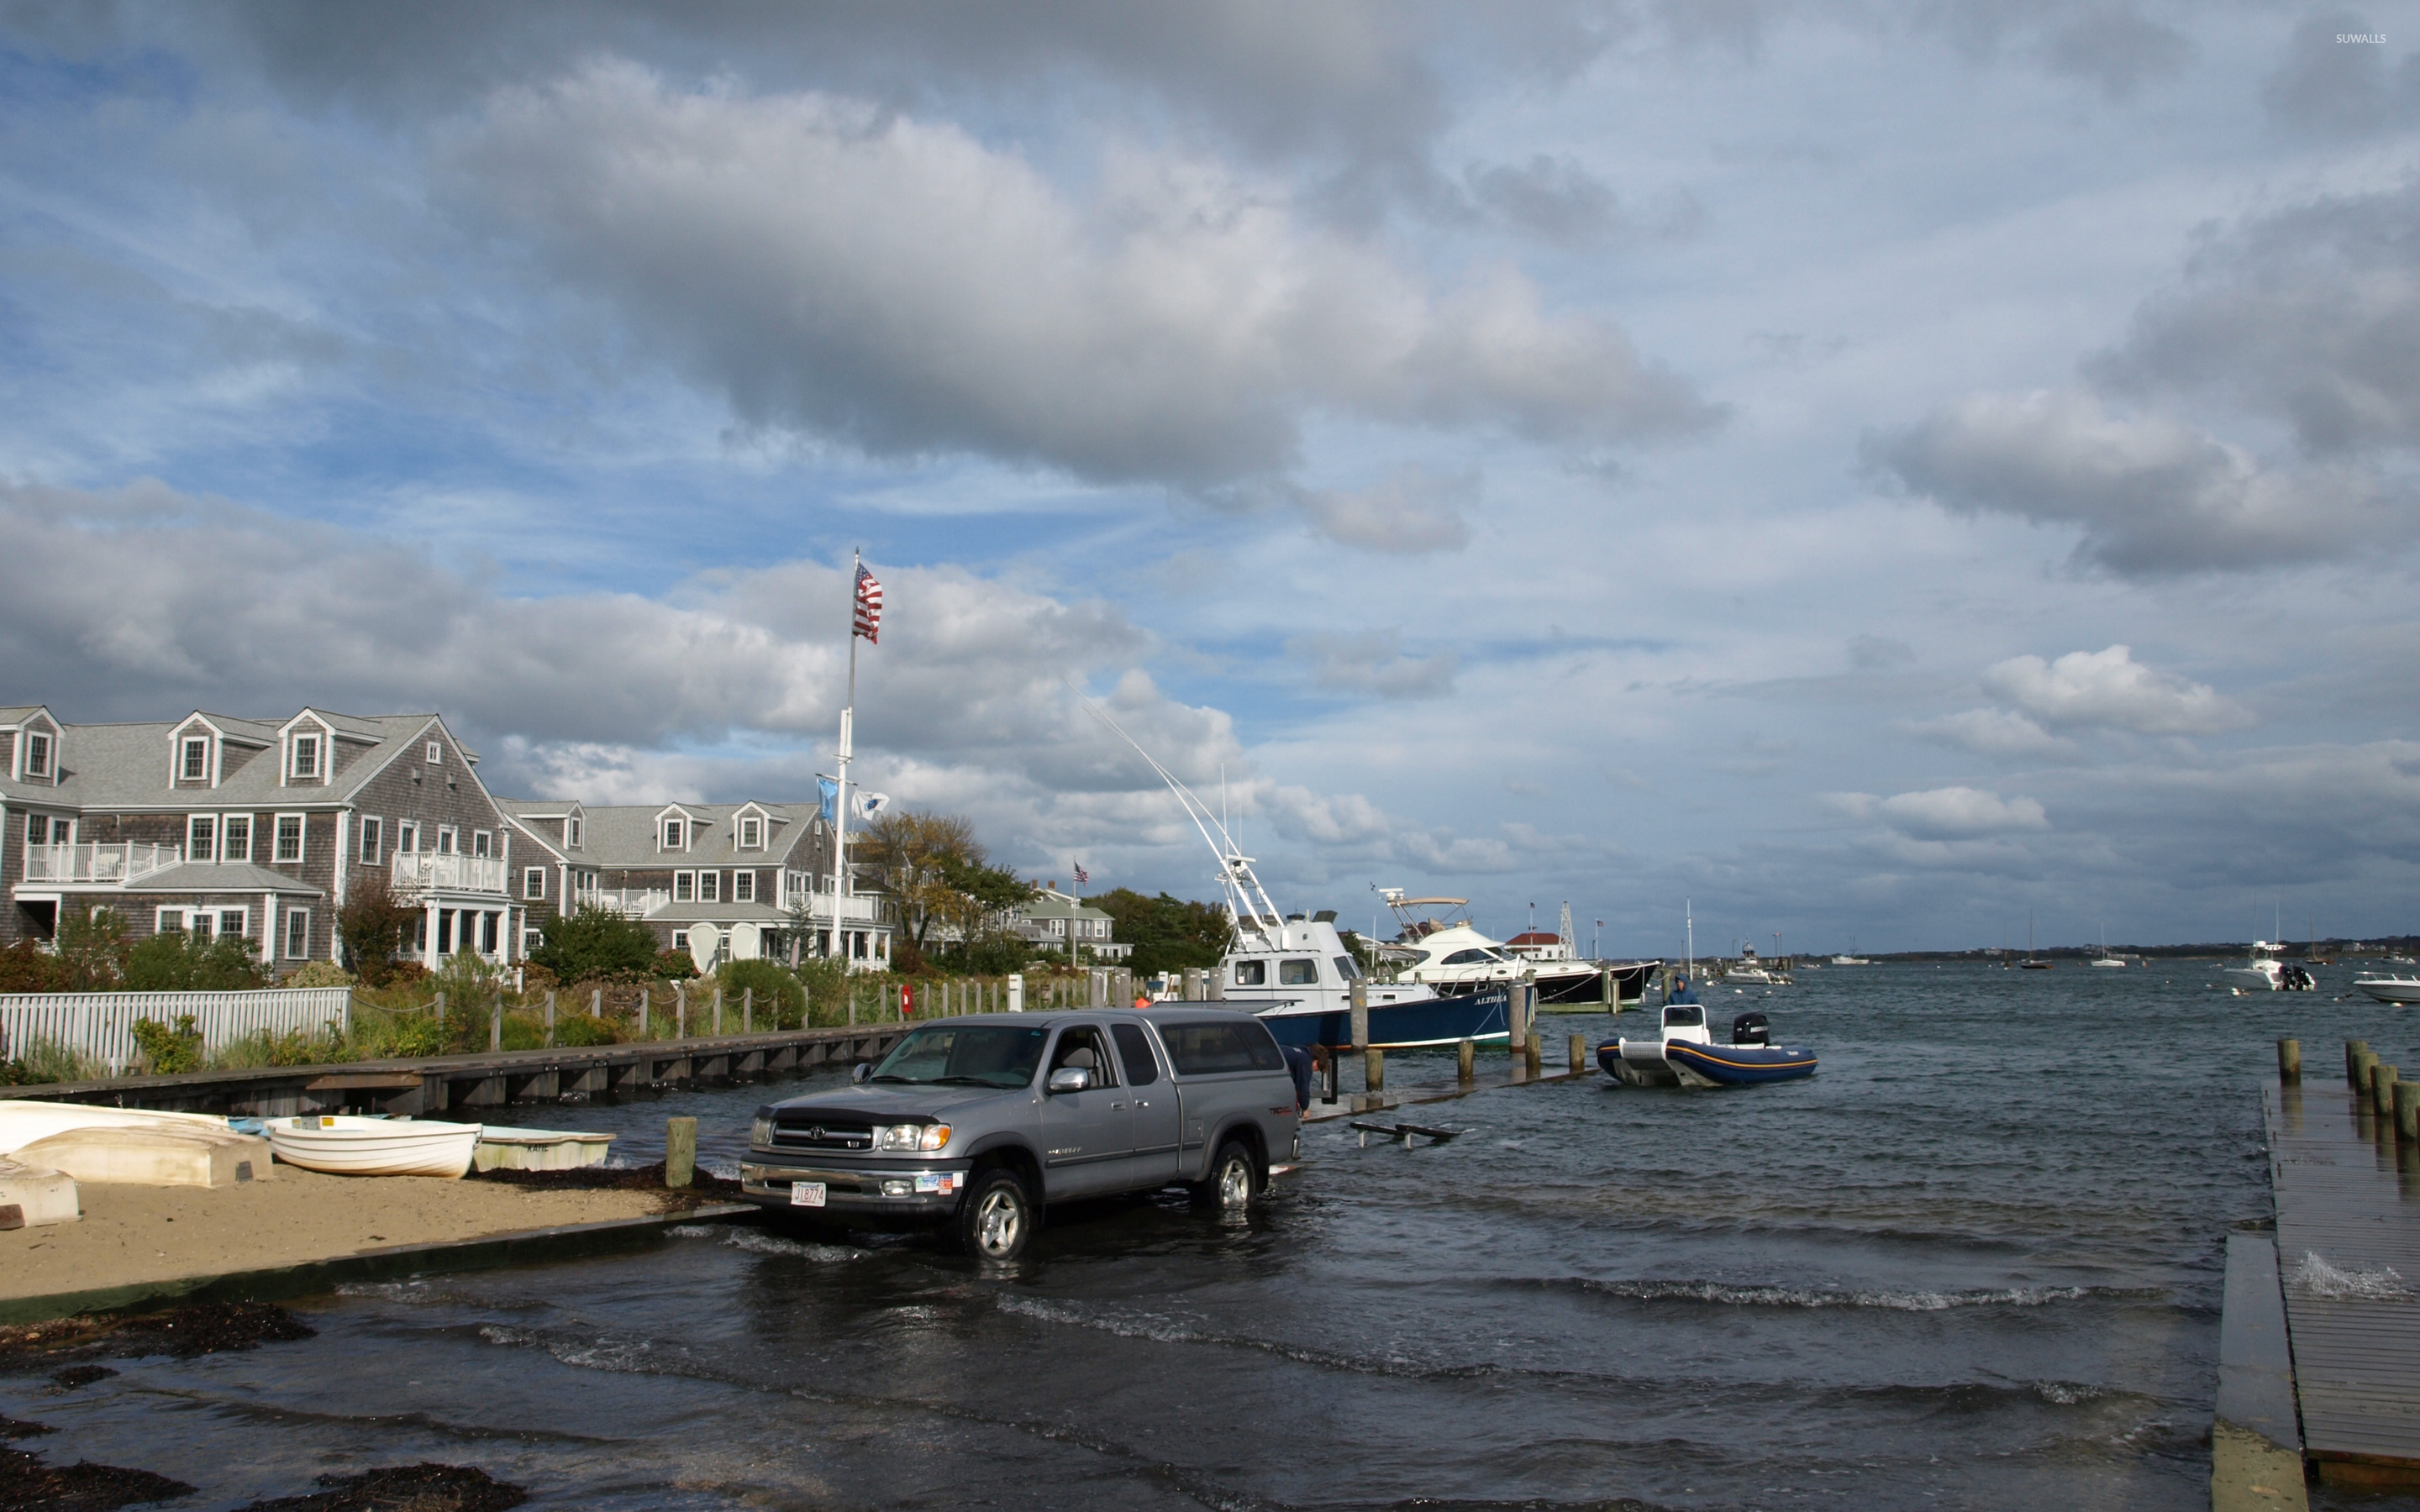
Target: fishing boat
344, 1145
1684, 1054
2391, 989
1294, 972
1754, 970
1852, 958
1437, 944
2270, 974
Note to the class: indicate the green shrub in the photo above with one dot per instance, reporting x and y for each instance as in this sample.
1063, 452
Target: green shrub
383, 1033
597, 943
167, 1051
26, 967
579, 1029
780, 998
318, 974
673, 965
176, 962
295, 1047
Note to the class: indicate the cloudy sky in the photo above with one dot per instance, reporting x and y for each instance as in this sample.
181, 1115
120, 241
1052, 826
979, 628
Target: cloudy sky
1875, 470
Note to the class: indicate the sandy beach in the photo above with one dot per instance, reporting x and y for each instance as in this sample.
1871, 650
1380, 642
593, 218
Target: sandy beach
132, 1235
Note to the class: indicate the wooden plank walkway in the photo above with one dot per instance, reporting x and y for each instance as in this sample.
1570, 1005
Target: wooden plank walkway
2349, 1249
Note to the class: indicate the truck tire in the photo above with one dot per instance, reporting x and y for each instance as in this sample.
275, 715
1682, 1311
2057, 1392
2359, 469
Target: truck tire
1234, 1180
997, 1217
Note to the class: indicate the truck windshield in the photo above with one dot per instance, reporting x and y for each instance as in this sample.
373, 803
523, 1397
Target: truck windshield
982, 1055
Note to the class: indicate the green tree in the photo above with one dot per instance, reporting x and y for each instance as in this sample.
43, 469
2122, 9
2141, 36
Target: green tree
91, 948
932, 865
373, 925
176, 962
1167, 933
597, 943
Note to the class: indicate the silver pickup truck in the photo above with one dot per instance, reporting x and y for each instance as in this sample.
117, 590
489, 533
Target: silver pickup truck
974, 1123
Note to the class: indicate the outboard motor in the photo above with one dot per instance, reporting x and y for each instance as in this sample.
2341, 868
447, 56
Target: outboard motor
1751, 1030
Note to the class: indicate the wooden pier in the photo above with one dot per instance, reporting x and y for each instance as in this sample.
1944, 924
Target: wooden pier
437, 1083
2343, 1280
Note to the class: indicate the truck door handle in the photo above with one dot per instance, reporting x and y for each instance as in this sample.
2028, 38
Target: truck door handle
1114, 1106
1142, 1102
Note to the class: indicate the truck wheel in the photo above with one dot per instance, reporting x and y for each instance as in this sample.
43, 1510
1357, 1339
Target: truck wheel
996, 1218
1234, 1180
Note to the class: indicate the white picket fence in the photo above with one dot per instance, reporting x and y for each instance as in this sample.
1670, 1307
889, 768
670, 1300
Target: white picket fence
101, 1024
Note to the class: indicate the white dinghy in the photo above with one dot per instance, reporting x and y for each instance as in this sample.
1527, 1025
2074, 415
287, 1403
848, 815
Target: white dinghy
342, 1144
538, 1149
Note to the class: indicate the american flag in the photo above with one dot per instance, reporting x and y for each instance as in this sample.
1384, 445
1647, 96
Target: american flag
1082, 876
869, 606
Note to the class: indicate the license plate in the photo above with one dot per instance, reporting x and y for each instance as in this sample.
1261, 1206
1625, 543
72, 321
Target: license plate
806, 1193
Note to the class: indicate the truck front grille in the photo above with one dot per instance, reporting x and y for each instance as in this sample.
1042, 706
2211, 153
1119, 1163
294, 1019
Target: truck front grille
808, 1132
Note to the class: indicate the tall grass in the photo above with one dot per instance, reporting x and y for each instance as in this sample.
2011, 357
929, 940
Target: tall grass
47, 1060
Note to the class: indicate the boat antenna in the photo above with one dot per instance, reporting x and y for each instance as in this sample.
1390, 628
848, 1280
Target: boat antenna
1245, 895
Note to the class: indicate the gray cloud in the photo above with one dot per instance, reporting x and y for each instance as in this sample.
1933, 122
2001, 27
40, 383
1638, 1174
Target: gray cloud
1375, 663
2116, 49
2153, 494
2310, 316
1557, 200
861, 274
2110, 690
1953, 813
1875, 653
1410, 514
2001, 733
2326, 88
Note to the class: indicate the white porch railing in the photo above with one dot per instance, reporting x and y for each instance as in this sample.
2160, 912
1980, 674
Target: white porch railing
631, 903
427, 870
857, 908
101, 1024
98, 861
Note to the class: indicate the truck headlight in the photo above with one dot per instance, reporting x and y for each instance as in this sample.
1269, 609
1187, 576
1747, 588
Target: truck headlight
760, 1133
911, 1137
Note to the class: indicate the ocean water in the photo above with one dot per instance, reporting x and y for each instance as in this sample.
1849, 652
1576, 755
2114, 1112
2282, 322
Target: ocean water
1975, 1263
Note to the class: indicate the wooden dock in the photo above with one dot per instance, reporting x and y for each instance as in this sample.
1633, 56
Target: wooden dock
435, 1084
2347, 1263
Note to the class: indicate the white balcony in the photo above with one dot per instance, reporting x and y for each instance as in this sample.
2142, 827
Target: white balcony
631, 902
100, 862
857, 908
422, 871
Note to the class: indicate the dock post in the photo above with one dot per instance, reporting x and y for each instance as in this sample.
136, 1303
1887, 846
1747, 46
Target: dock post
2381, 1088
1464, 1061
1358, 1020
1533, 1052
2407, 1110
643, 1011
1516, 1013
596, 1002
718, 1013
1374, 1070
680, 1010
1579, 1053
852, 1005
747, 1011
441, 1010
680, 1151
2289, 1063
549, 1018
2361, 1061
496, 1024
2353, 1052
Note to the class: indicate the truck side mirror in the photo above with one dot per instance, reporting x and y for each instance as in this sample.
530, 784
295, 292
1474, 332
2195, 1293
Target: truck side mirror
859, 1071
1070, 1079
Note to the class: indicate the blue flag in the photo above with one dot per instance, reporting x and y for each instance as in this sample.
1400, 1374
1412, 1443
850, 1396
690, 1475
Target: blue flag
829, 790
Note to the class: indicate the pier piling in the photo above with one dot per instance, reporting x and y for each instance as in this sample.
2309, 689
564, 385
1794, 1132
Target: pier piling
2407, 1111
2289, 1061
2362, 1060
441, 1010
680, 1010
2353, 1052
747, 1010
680, 1151
1360, 1015
1466, 1057
549, 1018
2381, 1088
1533, 1052
718, 1013
1374, 1070
1579, 1053
496, 1028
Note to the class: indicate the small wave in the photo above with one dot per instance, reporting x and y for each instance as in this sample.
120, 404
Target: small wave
2317, 1279
1904, 1301
758, 1242
2067, 1392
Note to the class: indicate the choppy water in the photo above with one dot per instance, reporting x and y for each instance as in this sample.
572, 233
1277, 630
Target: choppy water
1975, 1263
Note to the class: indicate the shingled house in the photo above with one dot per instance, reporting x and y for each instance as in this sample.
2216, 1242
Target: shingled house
721, 881
252, 827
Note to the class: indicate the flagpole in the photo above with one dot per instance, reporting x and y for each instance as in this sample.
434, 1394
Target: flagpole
840, 803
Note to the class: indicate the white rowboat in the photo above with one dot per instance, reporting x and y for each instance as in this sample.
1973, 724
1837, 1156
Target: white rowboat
345, 1145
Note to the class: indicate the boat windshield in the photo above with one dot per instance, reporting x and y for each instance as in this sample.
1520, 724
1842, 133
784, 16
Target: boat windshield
977, 1055
1684, 1018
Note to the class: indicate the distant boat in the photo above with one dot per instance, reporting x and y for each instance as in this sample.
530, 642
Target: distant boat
2104, 958
1685, 1053
2389, 988
2029, 964
1852, 958
2271, 974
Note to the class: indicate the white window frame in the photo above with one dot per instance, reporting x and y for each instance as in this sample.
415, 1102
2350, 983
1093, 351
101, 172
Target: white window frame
684, 886
533, 939
298, 933
534, 882
168, 921
226, 837
752, 833
242, 918
188, 748
277, 840
437, 753
743, 887
449, 840
571, 836
709, 886
373, 838
675, 834
482, 843
680, 939
300, 745
39, 753
407, 836
201, 835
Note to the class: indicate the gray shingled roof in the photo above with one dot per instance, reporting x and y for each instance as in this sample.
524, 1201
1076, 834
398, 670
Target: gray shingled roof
625, 836
224, 876
127, 765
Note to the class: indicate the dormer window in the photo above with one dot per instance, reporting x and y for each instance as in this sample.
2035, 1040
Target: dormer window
575, 834
672, 835
752, 834
38, 754
195, 764
437, 753
306, 757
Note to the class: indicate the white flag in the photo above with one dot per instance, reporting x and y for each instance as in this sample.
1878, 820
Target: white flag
870, 804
